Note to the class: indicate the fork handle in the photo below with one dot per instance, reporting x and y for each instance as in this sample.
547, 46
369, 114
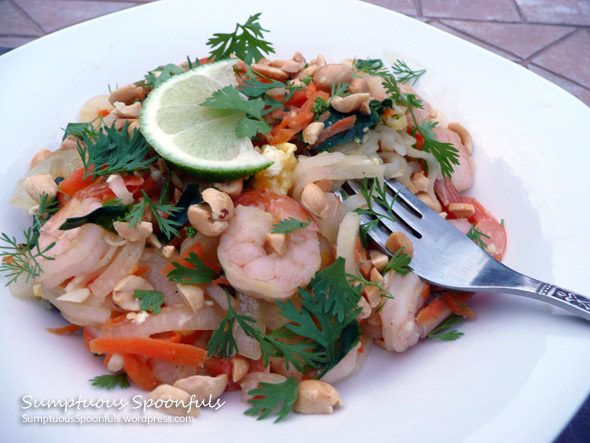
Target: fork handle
563, 298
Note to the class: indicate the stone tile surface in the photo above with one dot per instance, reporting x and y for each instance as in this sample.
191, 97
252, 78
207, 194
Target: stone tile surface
407, 7
475, 41
12, 22
52, 15
495, 10
569, 58
522, 40
582, 93
573, 12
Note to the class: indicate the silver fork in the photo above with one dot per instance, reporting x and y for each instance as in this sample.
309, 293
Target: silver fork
445, 257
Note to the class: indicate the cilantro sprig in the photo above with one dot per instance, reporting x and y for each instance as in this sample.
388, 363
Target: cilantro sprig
297, 353
112, 151
246, 42
451, 335
269, 396
167, 226
289, 225
445, 153
228, 98
399, 262
110, 381
149, 300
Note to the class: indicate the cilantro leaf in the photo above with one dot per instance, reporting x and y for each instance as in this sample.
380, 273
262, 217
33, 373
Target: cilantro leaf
248, 45
150, 300
80, 130
445, 153
47, 207
114, 151
288, 225
296, 352
449, 335
198, 272
152, 80
268, 396
110, 381
319, 106
399, 262
370, 66
228, 98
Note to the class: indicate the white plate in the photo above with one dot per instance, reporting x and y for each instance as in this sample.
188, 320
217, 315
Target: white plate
520, 371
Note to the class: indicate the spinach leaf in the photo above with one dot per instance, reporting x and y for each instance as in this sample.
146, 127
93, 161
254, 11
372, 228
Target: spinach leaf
104, 216
363, 123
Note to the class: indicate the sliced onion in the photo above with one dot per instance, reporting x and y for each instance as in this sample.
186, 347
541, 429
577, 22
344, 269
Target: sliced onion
156, 262
351, 363
255, 309
121, 266
218, 295
76, 313
61, 164
22, 287
328, 226
169, 319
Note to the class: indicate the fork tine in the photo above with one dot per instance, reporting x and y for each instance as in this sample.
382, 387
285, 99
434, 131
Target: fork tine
405, 218
404, 195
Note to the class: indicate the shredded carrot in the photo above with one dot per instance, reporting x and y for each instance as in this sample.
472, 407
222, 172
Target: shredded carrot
141, 269
457, 302
140, 372
177, 353
88, 337
432, 312
75, 182
103, 112
170, 336
340, 126
69, 329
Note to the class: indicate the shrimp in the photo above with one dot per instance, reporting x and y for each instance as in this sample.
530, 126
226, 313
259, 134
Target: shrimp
76, 252
463, 174
254, 267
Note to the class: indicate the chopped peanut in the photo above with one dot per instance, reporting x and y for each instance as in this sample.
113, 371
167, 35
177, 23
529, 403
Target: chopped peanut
398, 240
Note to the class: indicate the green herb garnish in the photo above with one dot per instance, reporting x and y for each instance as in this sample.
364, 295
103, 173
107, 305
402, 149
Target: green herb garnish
268, 396
110, 381
288, 225
150, 300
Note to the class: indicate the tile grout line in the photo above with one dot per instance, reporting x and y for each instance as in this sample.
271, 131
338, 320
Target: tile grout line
522, 17
507, 22
418, 6
557, 74
544, 48
21, 11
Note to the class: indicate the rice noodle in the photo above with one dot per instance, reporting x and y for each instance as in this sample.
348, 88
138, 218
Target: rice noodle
346, 243
333, 166
169, 319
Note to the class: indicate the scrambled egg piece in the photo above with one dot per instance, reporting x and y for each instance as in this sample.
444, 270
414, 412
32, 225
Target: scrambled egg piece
278, 177
398, 120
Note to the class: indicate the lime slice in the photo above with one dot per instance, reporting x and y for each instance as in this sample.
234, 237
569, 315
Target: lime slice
195, 138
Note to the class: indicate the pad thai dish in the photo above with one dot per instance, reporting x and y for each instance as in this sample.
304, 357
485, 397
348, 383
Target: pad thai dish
194, 230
